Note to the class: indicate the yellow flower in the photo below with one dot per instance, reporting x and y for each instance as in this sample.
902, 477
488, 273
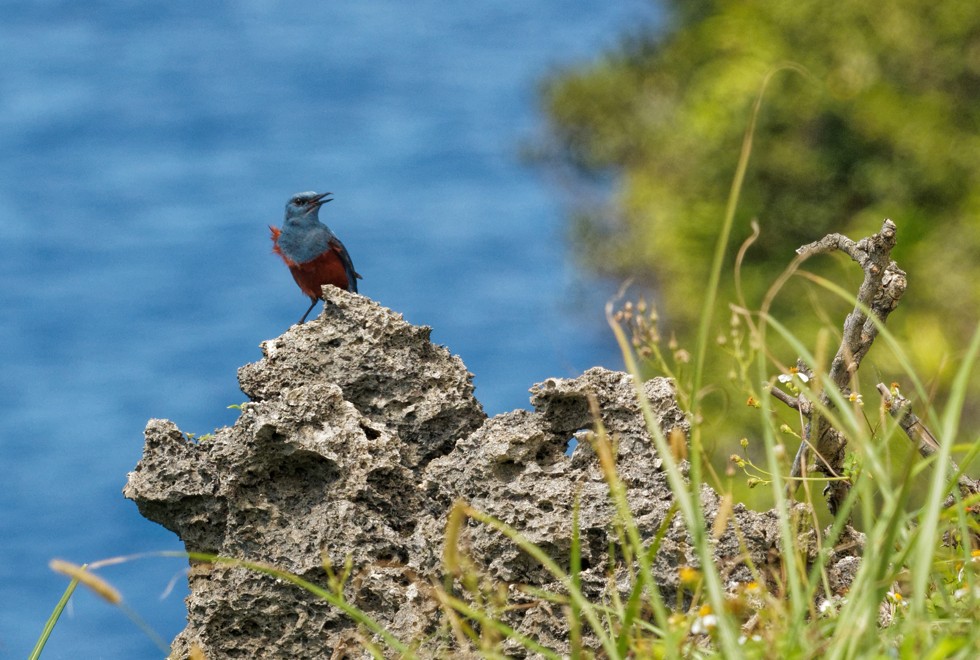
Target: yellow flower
688, 575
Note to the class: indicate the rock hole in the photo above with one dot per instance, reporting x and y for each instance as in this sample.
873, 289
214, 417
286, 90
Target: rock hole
370, 433
507, 470
573, 441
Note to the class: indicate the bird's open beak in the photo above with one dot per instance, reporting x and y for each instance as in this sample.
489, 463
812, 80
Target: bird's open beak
320, 200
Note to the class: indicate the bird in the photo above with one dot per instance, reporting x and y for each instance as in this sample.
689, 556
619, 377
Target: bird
313, 253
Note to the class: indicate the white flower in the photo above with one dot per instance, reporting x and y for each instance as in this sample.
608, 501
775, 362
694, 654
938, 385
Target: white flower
703, 624
897, 598
786, 378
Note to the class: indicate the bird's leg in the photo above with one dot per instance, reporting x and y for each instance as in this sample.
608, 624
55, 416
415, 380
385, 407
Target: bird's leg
312, 305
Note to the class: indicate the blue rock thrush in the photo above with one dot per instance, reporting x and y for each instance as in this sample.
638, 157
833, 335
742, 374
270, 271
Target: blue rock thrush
315, 256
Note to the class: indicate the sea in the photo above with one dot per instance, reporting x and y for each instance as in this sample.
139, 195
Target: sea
145, 147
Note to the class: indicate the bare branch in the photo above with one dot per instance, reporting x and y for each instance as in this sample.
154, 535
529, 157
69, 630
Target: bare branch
883, 286
925, 442
791, 401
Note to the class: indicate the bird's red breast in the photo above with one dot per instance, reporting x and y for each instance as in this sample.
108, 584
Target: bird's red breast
327, 268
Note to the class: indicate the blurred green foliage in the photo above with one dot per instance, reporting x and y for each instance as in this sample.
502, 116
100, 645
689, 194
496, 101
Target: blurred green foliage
880, 119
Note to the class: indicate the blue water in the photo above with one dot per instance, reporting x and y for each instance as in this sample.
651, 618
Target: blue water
145, 146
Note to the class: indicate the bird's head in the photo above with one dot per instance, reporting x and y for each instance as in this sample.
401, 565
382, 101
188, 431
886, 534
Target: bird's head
306, 204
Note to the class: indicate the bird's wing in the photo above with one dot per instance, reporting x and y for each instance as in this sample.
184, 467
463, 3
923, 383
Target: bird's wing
341, 251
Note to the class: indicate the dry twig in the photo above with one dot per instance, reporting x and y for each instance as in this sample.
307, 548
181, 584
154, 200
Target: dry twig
925, 442
882, 288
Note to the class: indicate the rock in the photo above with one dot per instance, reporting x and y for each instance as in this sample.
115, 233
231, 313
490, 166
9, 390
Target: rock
359, 438
386, 367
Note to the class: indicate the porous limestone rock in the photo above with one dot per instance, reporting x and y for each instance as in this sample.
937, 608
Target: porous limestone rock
360, 436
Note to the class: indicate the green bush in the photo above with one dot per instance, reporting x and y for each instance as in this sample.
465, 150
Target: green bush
879, 116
